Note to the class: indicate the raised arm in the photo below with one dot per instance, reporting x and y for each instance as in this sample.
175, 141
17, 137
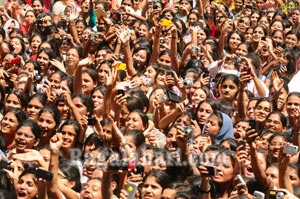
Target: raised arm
258, 161
174, 60
55, 145
78, 73
284, 176
156, 44
124, 36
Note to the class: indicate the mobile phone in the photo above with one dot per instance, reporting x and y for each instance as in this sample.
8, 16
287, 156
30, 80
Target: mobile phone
118, 18
258, 195
290, 149
4, 165
91, 121
249, 7
243, 143
150, 4
121, 66
275, 194
240, 178
46, 175
246, 70
131, 189
174, 144
263, 38
196, 49
252, 124
205, 74
211, 170
166, 22
15, 60
120, 92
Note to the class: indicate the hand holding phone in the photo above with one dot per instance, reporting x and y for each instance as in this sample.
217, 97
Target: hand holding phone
43, 174
258, 195
211, 170
290, 149
131, 189
243, 144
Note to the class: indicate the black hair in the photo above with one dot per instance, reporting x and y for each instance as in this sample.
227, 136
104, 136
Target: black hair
255, 60
161, 177
2, 33
72, 173
281, 14
53, 111
73, 123
283, 119
6, 194
41, 97
33, 126
95, 138
143, 116
20, 114
21, 97
267, 99
241, 35
69, 82
134, 103
143, 98
92, 73
137, 136
86, 100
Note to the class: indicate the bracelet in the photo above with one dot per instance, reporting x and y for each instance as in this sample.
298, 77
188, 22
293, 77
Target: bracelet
203, 191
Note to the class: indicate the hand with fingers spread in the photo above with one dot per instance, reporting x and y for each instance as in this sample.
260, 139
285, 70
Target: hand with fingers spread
117, 134
58, 64
3, 74
86, 62
277, 82
195, 29
112, 77
123, 35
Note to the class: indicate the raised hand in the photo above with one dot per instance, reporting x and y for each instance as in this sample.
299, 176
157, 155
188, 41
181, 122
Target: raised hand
123, 35
56, 142
277, 82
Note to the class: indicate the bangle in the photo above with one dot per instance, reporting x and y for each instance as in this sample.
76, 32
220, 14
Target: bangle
204, 191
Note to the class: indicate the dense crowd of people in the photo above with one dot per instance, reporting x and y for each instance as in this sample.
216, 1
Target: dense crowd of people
148, 99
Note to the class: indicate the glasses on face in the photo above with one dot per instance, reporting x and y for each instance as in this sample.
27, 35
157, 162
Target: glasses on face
25, 135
